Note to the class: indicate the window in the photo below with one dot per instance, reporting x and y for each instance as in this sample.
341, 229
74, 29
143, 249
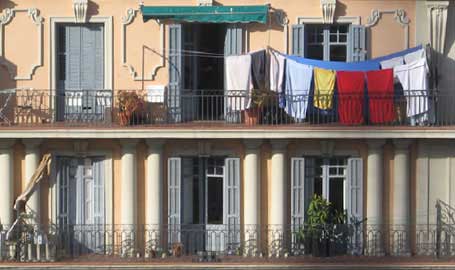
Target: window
330, 180
328, 42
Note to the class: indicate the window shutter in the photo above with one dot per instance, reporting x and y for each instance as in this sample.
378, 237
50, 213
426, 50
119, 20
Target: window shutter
175, 72
298, 191
233, 43
92, 57
355, 188
174, 196
232, 200
73, 57
298, 40
98, 177
357, 43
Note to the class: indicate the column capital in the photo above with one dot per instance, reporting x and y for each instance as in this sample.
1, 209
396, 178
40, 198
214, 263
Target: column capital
279, 144
253, 144
129, 144
7, 143
375, 144
402, 144
32, 143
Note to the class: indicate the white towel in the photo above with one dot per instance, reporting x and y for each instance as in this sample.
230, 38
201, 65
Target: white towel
414, 56
298, 83
413, 78
238, 82
276, 71
391, 63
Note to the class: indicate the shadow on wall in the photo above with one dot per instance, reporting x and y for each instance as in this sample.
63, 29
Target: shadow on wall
92, 9
340, 10
5, 78
7, 4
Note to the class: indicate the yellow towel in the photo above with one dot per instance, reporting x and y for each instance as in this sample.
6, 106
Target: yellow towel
324, 85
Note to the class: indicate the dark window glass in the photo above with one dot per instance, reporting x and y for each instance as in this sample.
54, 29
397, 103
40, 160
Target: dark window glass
215, 200
336, 193
338, 53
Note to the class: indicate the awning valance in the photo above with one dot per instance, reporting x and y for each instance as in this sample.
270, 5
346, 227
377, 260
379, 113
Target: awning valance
208, 14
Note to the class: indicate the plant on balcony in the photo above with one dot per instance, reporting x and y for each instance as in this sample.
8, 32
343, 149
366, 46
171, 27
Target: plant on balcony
325, 232
131, 108
259, 98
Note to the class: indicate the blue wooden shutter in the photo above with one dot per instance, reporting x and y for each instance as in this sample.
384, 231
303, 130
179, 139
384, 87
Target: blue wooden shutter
357, 50
355, 188
297, 191
232, 200
174, 197
73, 57
175, 72
298, 40
233, 42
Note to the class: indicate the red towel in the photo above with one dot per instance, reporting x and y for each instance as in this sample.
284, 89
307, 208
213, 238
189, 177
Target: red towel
380, 93
350, 86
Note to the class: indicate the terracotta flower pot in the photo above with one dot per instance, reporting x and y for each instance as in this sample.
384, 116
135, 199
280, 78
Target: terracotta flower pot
251, 116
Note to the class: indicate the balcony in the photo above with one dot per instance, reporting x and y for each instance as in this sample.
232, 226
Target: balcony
226, 243
39, 109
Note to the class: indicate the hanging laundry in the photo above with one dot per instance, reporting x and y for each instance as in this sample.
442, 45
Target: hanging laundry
238, 82
380, 94
334, 65
297, 88
414, 56
350, 86
414, 80
258, 69
391, 63
324, 86
277, 66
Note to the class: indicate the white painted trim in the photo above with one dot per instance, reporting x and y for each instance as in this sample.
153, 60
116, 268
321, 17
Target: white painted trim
108, 48
108, 184
128, 19
206, 133
6, 18
400, 17
355, 20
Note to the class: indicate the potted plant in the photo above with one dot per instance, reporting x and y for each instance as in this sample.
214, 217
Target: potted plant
131, 107
258, 99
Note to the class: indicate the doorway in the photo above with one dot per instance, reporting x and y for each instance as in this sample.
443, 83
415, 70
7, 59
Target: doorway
203, 203
203, 71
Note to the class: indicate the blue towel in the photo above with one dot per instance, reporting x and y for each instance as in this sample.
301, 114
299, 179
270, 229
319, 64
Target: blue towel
298, 82
373, 64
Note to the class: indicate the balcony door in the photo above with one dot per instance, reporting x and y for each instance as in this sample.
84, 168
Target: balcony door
80, 203
80, 72
196, 69
204, 211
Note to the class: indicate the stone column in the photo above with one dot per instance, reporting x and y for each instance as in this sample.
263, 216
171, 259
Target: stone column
252, 195
401, 199
32, 159
6, 182
278, 191
128, 198
375, 188
154, 197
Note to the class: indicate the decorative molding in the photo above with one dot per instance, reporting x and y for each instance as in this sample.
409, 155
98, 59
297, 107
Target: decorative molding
355, 20
400, 17
6, 18
437, 17
127, 20
328, 10
80, 10
205, 2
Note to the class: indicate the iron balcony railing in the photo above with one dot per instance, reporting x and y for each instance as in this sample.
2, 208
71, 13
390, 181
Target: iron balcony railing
115, 108
220, 242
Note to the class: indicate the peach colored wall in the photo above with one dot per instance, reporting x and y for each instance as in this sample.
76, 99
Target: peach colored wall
21, 50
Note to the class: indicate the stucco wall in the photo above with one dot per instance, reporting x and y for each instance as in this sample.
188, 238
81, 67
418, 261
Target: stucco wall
144, 38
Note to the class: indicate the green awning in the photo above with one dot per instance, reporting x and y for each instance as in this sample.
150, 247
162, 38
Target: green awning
207, 14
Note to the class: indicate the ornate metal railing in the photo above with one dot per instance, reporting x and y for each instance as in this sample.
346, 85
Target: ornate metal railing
19, 107
202, 242
445, 229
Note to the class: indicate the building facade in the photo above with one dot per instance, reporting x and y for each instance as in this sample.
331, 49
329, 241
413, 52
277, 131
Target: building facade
179, 170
